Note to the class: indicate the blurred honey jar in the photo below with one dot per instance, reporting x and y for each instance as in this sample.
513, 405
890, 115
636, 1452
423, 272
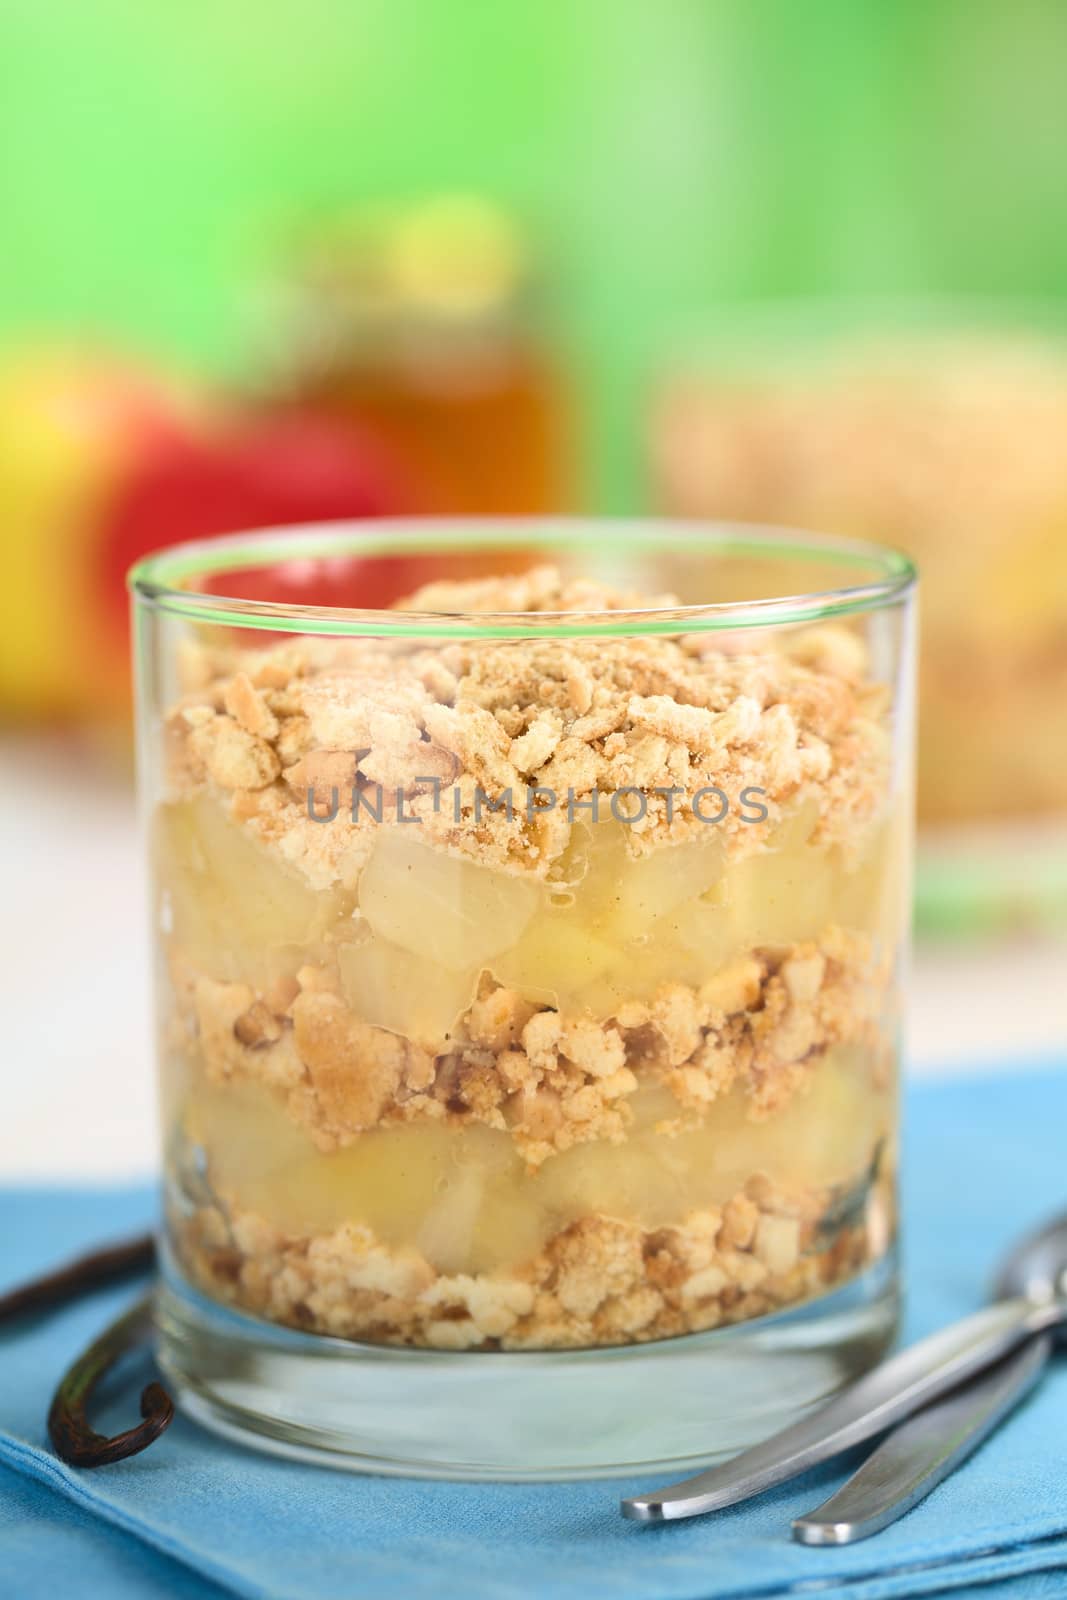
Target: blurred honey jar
421, 324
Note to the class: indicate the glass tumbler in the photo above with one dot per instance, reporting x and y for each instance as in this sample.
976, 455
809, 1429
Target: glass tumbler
529, 960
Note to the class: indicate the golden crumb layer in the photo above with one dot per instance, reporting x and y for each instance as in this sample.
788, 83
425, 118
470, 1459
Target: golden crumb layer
400, 732
764, 1023
599, 1281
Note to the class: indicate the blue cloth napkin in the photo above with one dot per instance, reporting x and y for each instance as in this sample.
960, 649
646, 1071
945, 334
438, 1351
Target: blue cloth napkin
195, 1517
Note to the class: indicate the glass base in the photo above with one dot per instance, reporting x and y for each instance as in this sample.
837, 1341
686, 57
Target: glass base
666, 1405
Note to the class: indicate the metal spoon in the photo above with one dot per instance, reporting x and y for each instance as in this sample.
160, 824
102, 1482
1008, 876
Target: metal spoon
923, 1451
1032, 1299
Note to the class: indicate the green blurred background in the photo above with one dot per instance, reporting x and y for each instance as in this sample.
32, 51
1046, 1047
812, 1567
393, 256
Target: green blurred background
669, 156
671, 161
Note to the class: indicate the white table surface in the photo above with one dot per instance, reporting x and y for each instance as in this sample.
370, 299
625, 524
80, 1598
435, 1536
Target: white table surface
80, 1096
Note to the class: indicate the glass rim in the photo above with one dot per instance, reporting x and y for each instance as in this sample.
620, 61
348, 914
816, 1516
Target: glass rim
157, 580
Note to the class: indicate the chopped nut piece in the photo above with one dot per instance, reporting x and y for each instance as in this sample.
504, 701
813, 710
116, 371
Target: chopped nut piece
803, 976
499, 1018
733, 988
739, 1221
704, 1285
540, 1039
598, 1051
257, 1026
326, 776
247, 705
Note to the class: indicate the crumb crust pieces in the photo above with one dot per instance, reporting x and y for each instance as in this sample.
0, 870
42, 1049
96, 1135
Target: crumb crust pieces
599, 1281
427, 728
552, 1081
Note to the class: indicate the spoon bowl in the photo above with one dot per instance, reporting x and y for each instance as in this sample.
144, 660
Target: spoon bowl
1036, 1267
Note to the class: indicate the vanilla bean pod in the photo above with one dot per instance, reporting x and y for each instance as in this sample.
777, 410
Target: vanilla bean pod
68, 1426
93, 1271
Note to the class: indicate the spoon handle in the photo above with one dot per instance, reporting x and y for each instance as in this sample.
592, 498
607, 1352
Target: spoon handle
892, 1391
923, 1451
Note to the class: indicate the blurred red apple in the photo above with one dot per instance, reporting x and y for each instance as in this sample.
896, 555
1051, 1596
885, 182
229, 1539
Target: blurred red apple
256, 471
102, 461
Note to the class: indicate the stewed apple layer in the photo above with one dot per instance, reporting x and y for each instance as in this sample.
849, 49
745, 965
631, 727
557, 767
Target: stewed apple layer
464, 1199
411, 930
439, 1235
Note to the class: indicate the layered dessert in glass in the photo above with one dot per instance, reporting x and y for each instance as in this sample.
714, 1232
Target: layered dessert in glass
521, 994
529, 985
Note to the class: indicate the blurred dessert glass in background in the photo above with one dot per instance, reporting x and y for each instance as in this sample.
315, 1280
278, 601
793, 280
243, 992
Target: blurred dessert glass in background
950, 445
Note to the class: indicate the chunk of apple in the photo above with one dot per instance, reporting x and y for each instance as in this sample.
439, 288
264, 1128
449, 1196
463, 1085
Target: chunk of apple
651, 887
555, 960
620, 896
395, 989
230, 904
444, 909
